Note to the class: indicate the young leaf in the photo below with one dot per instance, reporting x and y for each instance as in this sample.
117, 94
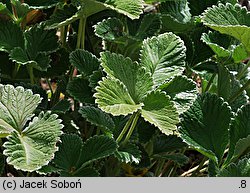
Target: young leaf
84, 61
239, 134
11, 36
183, 92
35, 146
229, 19
137, 81
242, 169
163, 56
80, 90
161, 112
128, 154
97, 117
205, 126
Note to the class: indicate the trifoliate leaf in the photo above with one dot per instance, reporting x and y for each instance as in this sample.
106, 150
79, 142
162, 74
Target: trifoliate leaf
11, 36
84, 61
110, 29
16, 108
161, 112
239, 134
163, 56
205, 126
80, 90
218, 43
113, 97
242, 169
183, 92
62, 17
128, 153
164, 144
97, 117
35, 146
137, 81
229, 19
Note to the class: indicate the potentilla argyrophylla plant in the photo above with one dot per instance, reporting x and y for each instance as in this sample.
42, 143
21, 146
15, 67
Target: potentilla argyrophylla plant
124, 88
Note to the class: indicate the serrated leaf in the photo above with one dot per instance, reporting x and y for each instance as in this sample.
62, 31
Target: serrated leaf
239, 134
11, 36
130, 8
21, 9
150, 25
62, 17
40, 40
84, 61
213, 40
97, 117
161, 112
163, 56
80, 90
35, 145
68, 155
229, 19
163, 144
110, 29
239, 53
128, 153
42, 4
183, 92
4, 10
113, 97
205, 126
179, 158
242, 169
95, 78
96, 148
137, 81
85, 172
48, 169
61, 107
16, 108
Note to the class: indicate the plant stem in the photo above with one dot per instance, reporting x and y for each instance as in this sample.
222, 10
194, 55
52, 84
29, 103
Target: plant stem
132, 127
200, 166
210, 82
193, 169
125, 128
79, 35
159, 167
63, 35
50, 87
16, 69
84, 19
31, 73
238, 93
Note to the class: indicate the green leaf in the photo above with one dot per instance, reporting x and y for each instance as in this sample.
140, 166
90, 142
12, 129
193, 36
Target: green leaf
110, 29
242, 169
21, 10
4, 10
95, 78
137, 81
163, 144
97, 117
218, 43
96, 148
84, 61
205, 126
151, 25
128, 153
42, 4
2, 163
113, 97
61, 107
239, 134
183, 92
16, 108
130, 8
62, 17
229, 19
35, 146
80, 90
40, 40
161, 112
68, 155
179, 158
11, 36
163, 56
84, 172
239, 53
48, 169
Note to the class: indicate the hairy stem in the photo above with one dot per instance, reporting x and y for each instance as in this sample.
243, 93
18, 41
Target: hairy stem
132, 127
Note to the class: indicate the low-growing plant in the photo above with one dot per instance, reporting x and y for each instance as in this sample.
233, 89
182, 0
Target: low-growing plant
124, 88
